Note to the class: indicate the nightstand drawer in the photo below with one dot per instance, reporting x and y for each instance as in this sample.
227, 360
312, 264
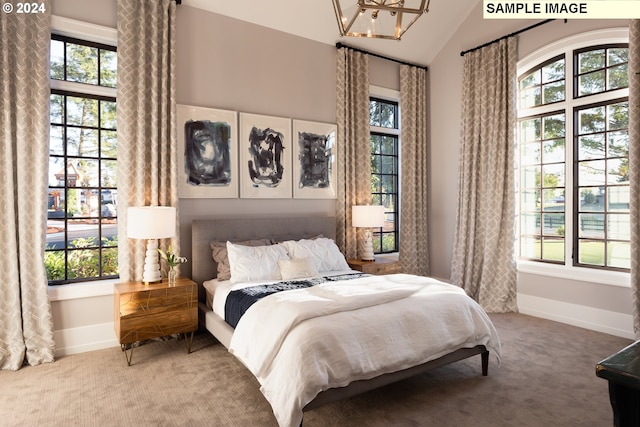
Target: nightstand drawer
379, 266
156, 301
150, 311
140, 328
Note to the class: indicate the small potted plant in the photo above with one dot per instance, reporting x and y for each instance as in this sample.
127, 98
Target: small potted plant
173, 260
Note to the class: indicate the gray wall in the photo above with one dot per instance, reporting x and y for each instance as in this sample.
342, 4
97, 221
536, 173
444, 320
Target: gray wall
445, 74
99, 12
229, 64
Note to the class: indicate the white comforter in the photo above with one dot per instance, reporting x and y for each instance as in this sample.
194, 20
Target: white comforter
298, 343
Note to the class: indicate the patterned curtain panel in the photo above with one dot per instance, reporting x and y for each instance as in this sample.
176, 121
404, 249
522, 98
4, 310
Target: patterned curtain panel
26, 325
483, 258
354, 146
634, 166
147, 142
414, 244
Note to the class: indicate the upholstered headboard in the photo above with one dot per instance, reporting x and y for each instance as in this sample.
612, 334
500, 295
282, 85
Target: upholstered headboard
203, 232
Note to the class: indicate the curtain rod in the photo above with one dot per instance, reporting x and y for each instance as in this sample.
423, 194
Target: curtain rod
464, 52
340, 45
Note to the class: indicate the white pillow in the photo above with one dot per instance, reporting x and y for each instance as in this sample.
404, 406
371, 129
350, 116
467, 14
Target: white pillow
296, 268
253, 263
323, 253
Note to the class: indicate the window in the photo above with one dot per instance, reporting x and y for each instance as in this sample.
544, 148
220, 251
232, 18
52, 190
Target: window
602, 224
384, 120
574, 158
601, 69
544, 85
82, 230
542, 187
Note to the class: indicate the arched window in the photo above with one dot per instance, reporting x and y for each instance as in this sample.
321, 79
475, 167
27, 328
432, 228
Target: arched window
573, 119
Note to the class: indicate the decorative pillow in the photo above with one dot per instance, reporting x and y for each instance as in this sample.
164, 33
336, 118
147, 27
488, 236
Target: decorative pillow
219, 252
252, 263
296, 268
319, 236
323, 253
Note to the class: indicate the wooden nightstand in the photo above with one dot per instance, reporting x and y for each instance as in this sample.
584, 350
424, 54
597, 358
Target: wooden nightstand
155, 310
379, 266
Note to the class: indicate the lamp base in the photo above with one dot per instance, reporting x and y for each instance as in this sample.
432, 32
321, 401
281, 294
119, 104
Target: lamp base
151, 272
366, 248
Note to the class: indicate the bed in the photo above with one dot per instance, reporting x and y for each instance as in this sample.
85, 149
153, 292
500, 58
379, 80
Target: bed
318, 382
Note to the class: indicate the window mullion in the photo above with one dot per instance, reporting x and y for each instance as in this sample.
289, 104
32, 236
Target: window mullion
569, 146
85, 89
570, 237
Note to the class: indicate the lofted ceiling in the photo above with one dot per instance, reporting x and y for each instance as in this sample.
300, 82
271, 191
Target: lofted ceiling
316, 20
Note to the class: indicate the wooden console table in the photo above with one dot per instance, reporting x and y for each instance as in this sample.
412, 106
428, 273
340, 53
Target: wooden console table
155, 310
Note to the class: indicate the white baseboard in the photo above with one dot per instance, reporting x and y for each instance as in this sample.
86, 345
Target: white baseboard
86, 338
609, 322
96, 337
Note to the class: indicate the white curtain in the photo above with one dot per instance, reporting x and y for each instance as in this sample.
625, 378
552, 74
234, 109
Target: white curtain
147, 142
634, 166
26, 325
414, 244
354, 146
483, 259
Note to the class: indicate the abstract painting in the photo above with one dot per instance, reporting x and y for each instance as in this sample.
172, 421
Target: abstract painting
265, 157
314, 160
208, 156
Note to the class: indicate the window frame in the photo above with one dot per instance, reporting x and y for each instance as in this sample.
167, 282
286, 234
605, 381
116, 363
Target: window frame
93, 36
66, 158
567, 46
576, 72
377, 93
542, 84
576, 198
541, 188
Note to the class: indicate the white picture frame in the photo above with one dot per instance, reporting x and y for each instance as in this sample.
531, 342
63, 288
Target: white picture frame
265, 157
207, 152
315, 168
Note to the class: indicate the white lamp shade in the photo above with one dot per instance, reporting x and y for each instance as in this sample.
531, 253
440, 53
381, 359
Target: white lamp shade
151, 222
367, 216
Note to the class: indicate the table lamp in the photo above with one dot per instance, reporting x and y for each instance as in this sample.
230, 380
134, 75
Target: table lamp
151, 223
368, 217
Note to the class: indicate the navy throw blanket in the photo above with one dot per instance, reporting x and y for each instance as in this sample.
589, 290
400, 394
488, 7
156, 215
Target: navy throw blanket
239, 301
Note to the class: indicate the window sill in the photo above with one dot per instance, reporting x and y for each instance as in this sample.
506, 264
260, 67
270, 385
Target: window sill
613, 278
394, 256
73, 291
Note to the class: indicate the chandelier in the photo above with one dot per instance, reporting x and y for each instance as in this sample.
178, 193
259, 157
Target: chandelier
382, 19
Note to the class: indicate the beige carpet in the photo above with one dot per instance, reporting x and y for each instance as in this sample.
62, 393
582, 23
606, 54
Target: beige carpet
547, 378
